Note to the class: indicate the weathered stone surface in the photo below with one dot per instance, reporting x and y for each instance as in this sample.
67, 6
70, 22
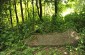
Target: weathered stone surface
54, 39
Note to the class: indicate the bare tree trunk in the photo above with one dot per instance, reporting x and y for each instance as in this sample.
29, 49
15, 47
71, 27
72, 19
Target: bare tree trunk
16, 12
33, 7
25, 16
21, 11
27, 10
40, 4
33, 14
1, 20
54, 23
37, 7
56, 4
10, 12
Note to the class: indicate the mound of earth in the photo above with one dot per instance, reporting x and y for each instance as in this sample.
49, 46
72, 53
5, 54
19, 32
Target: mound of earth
54, 39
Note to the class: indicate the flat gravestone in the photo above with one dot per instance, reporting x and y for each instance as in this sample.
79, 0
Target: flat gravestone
54, 39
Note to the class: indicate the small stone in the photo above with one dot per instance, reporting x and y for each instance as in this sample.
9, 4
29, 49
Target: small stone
65, 53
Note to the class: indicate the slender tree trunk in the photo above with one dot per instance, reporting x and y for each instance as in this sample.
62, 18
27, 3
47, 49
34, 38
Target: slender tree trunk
21, 11
1, 23
56, 4
16, 12
33, 13
40, 10
0, 12
37, 7
44, 8
27, 10
54, 23
10, 12
33, 7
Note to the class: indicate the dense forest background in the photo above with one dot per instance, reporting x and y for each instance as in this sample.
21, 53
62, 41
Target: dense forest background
19, 19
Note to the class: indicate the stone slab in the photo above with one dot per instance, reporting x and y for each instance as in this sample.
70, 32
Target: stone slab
54, 39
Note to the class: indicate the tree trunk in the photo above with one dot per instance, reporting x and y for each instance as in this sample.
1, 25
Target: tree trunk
1, 17
33, 7
21, 11
33, 14
56, 7
40, 4
27, 10
10, 12
1, 14
37, 7
16, 12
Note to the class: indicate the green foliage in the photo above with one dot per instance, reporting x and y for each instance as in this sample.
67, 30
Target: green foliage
11, 38
76, 20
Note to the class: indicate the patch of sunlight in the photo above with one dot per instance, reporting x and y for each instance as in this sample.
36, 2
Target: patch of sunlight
36, 27
19, 12
72, 2
23, 5
64, 2
49, 10
14, 20
67, 11
30, 5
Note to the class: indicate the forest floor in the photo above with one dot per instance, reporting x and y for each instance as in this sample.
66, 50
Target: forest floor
56, 51
54, 41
